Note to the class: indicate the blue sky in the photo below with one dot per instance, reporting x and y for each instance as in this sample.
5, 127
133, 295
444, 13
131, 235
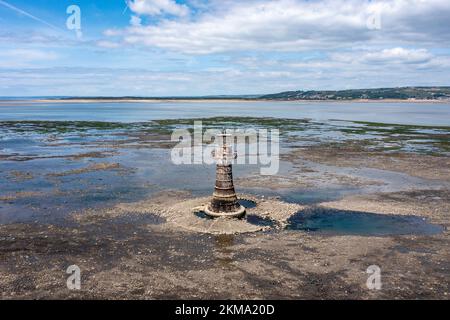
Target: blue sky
201, 47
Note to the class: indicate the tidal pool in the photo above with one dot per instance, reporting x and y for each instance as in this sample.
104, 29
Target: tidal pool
259, 221
341, 222
247, 203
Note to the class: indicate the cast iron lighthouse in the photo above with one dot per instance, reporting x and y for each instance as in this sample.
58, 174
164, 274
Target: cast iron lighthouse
224, 201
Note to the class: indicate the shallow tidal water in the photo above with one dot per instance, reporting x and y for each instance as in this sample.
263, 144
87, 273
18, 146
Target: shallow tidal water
432, 114
341, 222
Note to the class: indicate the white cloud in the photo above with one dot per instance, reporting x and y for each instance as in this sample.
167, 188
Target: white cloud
256, 46
28, 54
291, 25
387, 56
135, 21
398, 55
233, 78
23, 57
108, 44
158, 7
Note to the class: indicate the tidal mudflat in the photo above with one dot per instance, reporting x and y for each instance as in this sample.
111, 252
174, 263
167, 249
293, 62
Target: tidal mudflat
106, 197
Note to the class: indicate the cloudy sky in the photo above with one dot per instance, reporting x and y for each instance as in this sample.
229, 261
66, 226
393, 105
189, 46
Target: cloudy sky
202, 47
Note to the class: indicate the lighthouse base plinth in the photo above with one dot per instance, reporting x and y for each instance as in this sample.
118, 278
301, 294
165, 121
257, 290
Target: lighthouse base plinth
239, 212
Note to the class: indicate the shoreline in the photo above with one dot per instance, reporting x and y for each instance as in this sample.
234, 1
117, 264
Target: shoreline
171, 100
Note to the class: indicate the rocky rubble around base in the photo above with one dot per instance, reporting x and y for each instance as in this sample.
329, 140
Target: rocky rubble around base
180, 213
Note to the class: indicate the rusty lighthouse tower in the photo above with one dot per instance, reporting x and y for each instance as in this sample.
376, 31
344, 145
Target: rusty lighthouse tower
224, 201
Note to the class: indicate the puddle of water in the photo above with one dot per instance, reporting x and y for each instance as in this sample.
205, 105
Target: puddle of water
202, 215
247, 203
340, 222
314, 196
259, 221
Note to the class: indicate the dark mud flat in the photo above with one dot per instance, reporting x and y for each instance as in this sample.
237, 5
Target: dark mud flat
54, 172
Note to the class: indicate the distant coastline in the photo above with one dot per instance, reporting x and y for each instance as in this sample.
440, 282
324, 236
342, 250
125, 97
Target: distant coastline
235, 100
401, 94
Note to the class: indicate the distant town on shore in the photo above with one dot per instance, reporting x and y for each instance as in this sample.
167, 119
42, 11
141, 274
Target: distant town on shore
400, 93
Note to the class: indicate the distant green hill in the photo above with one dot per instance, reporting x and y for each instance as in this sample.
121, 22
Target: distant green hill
403, 93
425, 93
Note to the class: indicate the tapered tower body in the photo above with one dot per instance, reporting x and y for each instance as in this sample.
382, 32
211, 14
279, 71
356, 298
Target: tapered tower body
224, 201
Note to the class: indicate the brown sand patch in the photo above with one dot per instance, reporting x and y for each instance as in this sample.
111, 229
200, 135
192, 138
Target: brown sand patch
417, 165
16, 175
90, 168
20, 195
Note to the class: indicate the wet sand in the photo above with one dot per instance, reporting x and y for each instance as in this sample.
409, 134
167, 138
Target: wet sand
125, 259
141, 247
